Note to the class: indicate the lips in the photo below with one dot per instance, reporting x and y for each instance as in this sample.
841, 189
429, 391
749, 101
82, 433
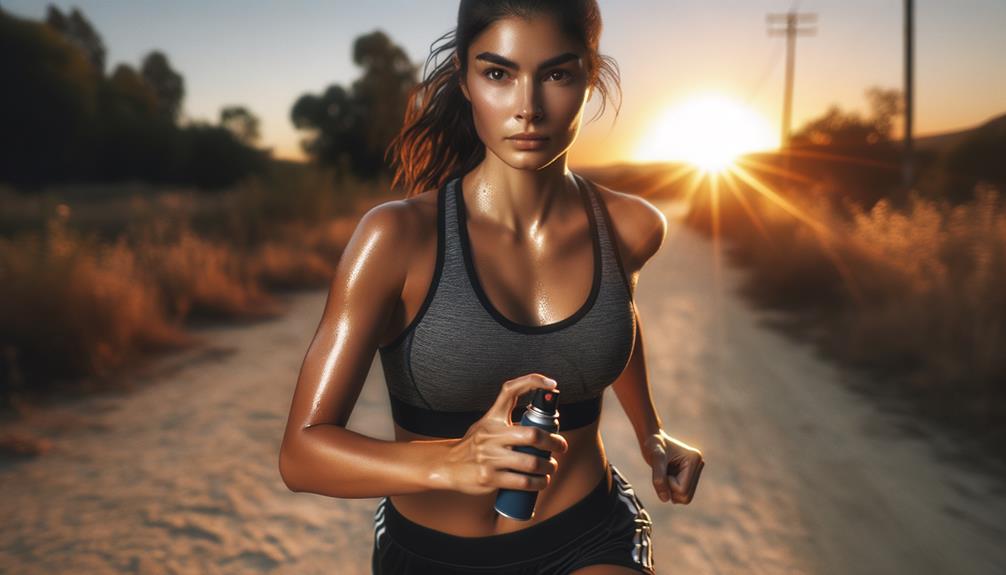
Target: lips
528, 137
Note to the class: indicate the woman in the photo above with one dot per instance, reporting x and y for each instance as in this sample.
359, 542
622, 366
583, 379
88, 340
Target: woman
501, 273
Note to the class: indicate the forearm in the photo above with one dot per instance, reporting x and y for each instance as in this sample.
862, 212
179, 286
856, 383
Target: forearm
334, 461
633, 391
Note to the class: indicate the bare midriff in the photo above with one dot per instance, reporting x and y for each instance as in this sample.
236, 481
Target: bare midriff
580, 469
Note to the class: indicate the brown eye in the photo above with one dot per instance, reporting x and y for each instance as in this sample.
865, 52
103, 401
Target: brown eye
490, 73
562, 75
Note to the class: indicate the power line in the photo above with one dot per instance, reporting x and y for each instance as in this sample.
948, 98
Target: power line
773, 61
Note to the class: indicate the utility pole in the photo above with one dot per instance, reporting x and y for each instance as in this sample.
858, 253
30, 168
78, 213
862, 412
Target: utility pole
907, 166
792, 21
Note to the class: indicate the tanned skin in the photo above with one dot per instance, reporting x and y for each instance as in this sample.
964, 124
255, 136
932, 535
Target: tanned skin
532, 249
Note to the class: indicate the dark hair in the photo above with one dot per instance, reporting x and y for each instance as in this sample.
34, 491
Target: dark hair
438, 138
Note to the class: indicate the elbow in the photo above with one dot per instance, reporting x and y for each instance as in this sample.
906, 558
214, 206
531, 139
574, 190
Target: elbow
287, 470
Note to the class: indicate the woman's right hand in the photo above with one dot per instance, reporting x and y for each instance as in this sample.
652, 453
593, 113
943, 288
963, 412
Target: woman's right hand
480, 462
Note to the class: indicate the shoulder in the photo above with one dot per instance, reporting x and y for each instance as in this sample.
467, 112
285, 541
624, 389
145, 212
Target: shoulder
639, 227
388, 233
400, 222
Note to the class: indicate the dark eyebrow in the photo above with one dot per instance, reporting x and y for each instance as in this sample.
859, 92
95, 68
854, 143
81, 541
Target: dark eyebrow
501, 61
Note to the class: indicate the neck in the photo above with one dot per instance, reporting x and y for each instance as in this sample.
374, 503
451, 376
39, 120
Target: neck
521, 201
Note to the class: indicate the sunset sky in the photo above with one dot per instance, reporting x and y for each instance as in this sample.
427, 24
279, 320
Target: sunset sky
266, 54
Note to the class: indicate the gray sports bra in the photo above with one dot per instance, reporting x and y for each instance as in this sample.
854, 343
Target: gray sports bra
445, 369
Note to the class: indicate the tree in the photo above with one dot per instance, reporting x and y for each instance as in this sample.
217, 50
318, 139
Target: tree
241, 122
166, 82
129, 136
978, 157
216, 159
844, 129
334, 120
79, 31
382, 91
63, 121
885, 105
135, 98
853, 152
47, 104
352, 128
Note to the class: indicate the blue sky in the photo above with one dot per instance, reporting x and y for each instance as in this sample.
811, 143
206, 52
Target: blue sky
265, 54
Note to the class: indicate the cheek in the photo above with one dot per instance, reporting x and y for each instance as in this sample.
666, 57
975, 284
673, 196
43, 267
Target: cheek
565, 104
491, 105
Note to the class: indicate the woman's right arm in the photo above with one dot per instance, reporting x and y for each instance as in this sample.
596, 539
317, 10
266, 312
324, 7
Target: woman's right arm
319, 455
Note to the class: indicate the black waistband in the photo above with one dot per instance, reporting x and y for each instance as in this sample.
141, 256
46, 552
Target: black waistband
504, 549
455, 423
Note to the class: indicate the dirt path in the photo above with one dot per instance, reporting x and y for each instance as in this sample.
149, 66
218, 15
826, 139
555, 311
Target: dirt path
802, 475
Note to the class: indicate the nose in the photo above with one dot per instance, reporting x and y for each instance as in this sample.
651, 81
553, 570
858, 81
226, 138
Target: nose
529, 108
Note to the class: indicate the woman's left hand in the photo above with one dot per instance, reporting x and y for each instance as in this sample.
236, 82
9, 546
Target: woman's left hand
676, 467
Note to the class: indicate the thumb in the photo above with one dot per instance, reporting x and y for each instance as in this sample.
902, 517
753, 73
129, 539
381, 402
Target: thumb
513, 389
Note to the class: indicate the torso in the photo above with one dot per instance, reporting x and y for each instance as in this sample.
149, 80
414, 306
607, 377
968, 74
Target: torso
465, 515
569, 266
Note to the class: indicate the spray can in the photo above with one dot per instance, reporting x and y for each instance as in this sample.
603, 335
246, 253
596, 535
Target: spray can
541, 412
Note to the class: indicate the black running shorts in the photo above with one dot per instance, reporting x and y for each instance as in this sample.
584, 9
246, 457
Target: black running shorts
607, 526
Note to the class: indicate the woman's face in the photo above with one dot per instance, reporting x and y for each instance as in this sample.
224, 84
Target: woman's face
526, 76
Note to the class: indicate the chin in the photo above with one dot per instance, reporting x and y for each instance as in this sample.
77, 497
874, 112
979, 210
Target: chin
531, 160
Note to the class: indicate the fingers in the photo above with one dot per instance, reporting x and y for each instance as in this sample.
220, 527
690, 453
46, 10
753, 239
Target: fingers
513, 480
695, 479
537, 470
530, 463
537, 438
509, 468
676, 467
687, 480
496, 454
660, 477
513, 389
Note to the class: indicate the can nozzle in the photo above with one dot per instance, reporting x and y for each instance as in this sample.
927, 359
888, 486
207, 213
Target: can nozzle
545, 400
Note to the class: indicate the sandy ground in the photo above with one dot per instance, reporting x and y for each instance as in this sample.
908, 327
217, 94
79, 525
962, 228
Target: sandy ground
802, 474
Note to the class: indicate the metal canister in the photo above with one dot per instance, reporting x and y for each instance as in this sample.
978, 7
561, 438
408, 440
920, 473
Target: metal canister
541, 412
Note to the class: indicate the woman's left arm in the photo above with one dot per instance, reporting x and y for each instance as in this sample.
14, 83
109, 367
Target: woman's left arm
633, 390
676, 465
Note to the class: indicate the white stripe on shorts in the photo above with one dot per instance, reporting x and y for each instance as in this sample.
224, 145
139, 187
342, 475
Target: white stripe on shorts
379, 526
642, 552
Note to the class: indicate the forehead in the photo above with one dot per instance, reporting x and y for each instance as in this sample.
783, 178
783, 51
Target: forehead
526, 41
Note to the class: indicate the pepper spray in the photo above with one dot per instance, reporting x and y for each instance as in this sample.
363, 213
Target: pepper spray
541, 412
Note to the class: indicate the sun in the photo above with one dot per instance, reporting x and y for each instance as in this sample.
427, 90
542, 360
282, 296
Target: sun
708, 131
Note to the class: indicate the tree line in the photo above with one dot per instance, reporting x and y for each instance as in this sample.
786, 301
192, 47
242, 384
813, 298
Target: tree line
857, 153
65, 120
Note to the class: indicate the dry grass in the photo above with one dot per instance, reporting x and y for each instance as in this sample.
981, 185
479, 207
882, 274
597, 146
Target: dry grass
199, 277
76, 305
939, 279
916, 296
70, 306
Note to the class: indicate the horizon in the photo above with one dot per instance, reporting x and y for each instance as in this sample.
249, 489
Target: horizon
847, 55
